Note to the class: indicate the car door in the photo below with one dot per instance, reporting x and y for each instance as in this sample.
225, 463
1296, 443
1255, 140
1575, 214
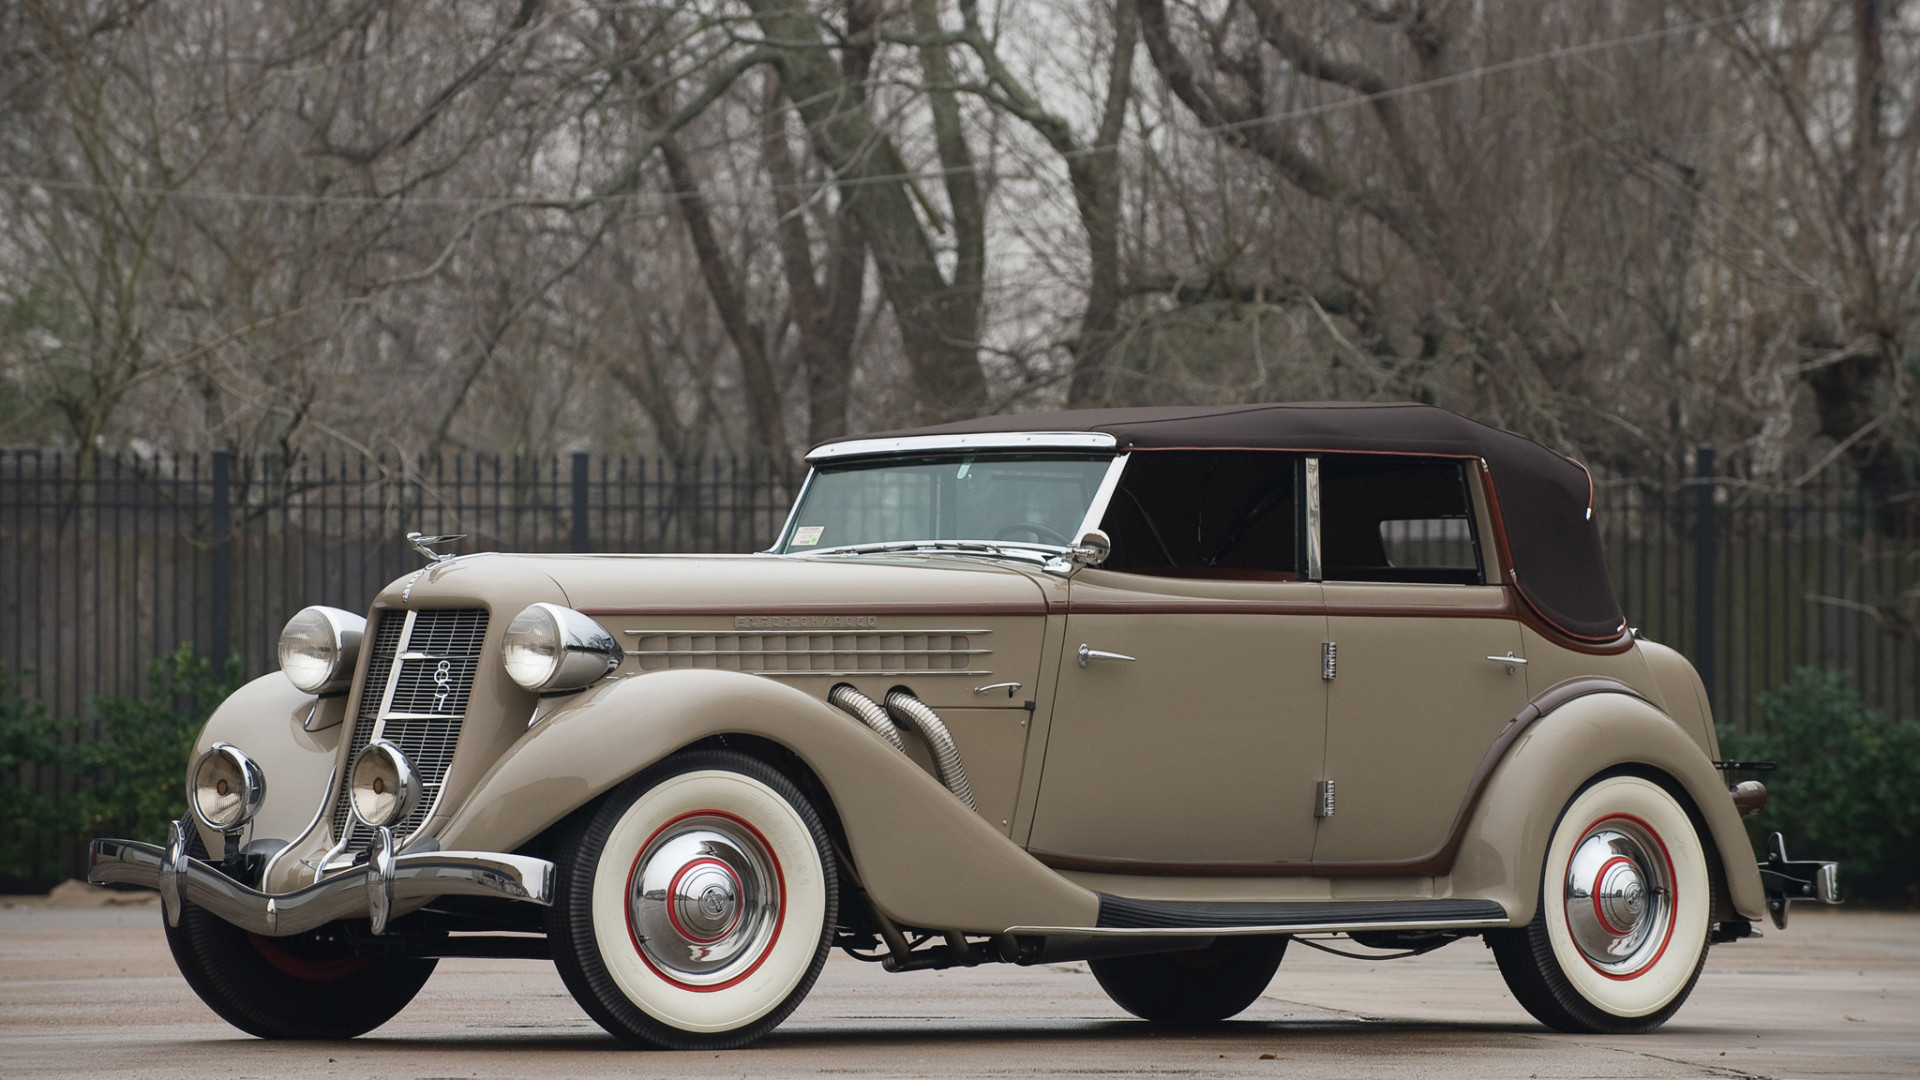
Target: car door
1188, 721
1422, 684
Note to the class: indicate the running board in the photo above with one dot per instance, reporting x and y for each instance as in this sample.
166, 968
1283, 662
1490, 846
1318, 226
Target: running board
1125, 917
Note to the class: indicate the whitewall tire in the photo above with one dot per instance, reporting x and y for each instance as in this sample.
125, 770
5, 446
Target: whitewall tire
696, 904
1625, 912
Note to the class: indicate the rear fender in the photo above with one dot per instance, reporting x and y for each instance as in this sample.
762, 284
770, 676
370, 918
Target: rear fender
1505, 846
924, 858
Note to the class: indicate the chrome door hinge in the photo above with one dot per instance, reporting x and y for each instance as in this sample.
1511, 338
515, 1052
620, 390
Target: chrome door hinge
1328, 661
1323, 798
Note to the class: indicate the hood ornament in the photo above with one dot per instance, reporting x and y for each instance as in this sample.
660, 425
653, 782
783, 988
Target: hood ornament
423, 544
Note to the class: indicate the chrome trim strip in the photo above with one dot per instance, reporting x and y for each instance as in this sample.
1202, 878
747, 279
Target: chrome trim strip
1245, 931
998, 440
416, 876
393, 672
1313, 519
338, 849
320, 814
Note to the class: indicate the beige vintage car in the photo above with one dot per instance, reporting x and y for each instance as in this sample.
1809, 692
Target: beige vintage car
1159, 689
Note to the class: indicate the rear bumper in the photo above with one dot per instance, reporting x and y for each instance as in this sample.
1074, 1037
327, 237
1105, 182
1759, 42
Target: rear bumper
1787, 880
367, 891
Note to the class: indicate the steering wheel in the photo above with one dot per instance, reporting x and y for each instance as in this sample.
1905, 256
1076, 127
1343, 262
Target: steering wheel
1046, 533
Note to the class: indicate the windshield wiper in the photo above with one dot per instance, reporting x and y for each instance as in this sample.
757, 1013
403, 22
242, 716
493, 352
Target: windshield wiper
1037, 553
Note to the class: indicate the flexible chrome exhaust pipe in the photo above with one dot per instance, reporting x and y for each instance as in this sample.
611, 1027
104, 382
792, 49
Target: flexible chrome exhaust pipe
867, 711
914, 714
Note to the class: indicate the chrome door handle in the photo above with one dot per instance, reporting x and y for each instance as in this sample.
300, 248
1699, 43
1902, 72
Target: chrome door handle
1089, 654
1510, 660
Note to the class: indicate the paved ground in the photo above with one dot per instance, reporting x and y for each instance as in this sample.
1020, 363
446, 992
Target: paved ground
91, 991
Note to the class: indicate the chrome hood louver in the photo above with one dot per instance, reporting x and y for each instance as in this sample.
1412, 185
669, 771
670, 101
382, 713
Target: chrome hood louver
893, 652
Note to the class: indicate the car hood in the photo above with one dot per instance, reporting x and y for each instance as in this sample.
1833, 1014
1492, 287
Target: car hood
673, 584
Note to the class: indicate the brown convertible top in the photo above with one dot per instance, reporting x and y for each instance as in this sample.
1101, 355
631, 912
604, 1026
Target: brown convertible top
1544, 499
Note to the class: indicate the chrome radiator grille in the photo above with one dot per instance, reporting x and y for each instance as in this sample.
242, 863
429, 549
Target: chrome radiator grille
419, 675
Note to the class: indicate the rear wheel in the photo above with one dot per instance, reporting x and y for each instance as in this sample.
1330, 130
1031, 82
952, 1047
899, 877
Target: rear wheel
695, 906
1200, 986
306, 986
1620, 934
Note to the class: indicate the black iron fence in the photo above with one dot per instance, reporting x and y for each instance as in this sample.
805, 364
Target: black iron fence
107, 562
1753, 579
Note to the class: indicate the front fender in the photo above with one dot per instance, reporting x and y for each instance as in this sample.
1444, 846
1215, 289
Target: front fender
1505, 847
924, 858
268, 720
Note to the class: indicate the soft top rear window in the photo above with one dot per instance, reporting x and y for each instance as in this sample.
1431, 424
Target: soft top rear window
1385, 518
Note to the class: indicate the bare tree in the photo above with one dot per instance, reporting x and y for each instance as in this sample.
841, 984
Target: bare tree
748, 226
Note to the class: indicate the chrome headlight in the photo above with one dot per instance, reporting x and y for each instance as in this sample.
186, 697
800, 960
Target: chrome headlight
227, 788
318, 648
385, 789
548, 648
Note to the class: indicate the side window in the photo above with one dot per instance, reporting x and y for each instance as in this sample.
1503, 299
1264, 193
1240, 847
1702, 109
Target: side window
1206, 513
1397, 519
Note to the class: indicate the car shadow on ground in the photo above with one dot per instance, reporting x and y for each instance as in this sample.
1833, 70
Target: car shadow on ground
950, 1032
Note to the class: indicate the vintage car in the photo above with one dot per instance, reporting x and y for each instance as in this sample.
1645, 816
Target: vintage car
1157, 689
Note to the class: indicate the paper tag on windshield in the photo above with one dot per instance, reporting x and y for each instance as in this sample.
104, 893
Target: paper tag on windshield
807, 535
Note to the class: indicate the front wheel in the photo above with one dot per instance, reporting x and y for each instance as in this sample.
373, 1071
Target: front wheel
308, 986
695, 906
1626, 899
1199, 986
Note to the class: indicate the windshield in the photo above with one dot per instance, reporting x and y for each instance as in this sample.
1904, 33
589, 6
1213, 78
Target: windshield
1011, 498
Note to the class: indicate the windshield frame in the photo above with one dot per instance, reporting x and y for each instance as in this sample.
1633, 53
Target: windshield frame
1012, 445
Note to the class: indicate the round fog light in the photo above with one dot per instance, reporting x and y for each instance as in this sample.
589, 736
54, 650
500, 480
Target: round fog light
227, 788
384, 788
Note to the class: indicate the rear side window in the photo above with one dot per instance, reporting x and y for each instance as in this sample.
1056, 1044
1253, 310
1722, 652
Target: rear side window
1398, 519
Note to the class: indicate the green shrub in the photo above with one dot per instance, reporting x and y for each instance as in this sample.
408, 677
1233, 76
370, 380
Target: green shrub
130, 781
29, 737
1847, 786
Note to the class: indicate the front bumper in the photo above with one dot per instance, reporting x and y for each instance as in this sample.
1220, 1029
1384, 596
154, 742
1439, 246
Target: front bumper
368, 891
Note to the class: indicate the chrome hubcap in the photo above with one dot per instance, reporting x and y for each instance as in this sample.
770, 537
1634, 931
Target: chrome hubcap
1619, 896
704, 900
